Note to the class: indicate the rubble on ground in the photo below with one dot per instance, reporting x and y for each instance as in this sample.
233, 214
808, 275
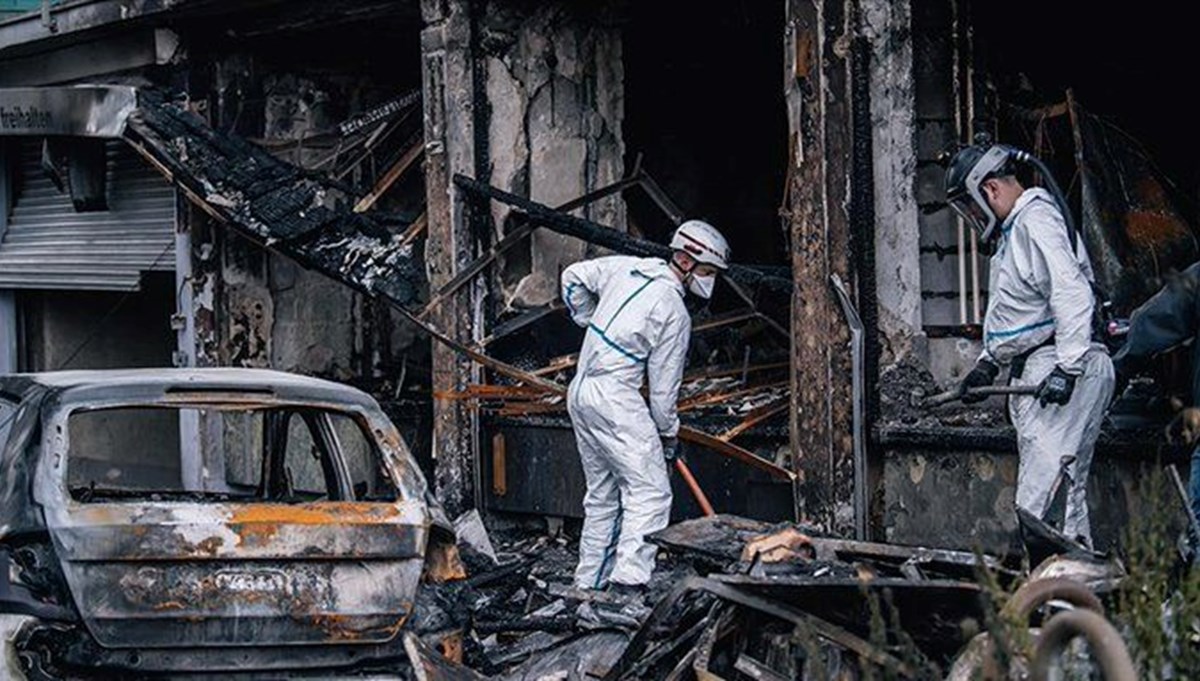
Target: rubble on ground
731, 598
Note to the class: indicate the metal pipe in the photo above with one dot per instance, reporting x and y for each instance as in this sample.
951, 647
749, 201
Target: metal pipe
697, 493
962, 272
961, 255
986, 391
975, 296
970, 82
858, 352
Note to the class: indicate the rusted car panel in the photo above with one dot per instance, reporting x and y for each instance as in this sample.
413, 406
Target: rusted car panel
168, 531
242, 578
202, 575
222, 604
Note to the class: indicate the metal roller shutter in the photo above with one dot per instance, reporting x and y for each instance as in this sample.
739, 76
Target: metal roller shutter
48, 245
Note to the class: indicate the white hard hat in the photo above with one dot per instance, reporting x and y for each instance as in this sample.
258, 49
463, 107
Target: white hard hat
703, 242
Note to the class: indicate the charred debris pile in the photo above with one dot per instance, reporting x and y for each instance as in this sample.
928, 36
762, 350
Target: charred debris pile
732, 599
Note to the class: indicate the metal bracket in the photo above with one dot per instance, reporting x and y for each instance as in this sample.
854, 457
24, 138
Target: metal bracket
858, 353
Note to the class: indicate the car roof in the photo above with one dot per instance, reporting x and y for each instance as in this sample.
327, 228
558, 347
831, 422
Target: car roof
110, 383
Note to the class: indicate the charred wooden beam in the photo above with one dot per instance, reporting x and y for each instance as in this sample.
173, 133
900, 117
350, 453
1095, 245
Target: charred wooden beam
818, 95
448, 70
739, 370
521, 321
620, 242
382, 113
753, 419
304, 217
468, 273
410, 156
709, 399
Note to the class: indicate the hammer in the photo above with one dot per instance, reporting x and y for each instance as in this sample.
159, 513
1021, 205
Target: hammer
921, 402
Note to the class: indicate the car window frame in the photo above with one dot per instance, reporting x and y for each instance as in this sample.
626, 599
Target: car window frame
277, 423
54, 418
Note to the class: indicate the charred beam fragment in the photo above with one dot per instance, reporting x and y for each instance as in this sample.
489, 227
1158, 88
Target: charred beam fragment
305, 217
815, 624
429, 665
384, 112
562, 223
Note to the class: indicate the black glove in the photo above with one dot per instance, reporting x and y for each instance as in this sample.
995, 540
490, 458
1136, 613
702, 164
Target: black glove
670, 446
983, 374
1056, 388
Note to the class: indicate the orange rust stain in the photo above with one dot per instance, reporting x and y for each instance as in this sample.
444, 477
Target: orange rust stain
170, 605
101, 515
337, 627
451, 646
250, 597
257, 534
209, 546
443, 563
324, 513
257, 524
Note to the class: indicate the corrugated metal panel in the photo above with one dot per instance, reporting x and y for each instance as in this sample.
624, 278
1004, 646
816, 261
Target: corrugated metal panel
50, 246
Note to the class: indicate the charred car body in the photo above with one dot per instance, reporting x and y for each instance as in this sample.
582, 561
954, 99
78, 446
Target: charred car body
162, 521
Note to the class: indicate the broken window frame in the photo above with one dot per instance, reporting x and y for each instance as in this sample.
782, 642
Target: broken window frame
275, 483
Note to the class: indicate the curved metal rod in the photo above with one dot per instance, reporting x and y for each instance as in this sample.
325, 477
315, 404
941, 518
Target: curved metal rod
1032, 595
1108, 648
1024, 602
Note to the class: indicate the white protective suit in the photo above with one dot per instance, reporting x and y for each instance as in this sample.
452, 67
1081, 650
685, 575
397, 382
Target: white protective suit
637, 326
1039, 289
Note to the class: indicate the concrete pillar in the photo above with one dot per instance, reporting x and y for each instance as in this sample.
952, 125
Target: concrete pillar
887, 27
449, 100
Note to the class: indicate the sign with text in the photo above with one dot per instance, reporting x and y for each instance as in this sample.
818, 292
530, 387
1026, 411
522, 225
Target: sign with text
83, 111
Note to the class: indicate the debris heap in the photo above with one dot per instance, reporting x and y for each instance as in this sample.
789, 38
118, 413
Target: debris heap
738, 598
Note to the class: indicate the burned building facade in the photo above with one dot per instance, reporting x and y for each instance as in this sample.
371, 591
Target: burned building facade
304, 185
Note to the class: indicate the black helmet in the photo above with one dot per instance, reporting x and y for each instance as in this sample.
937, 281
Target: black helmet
966, 174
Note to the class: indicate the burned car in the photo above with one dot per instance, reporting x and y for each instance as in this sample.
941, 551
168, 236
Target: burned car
162, 521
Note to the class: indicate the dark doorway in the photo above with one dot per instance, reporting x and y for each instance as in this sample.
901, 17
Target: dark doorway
704, 106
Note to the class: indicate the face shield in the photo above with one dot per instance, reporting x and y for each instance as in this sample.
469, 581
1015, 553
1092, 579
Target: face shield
978, 216
967, 198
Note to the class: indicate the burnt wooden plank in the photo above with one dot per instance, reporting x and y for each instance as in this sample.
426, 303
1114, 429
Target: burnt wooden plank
447, 76
821, 415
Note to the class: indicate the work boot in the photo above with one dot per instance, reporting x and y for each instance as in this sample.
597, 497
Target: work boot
626, 611
633, 593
